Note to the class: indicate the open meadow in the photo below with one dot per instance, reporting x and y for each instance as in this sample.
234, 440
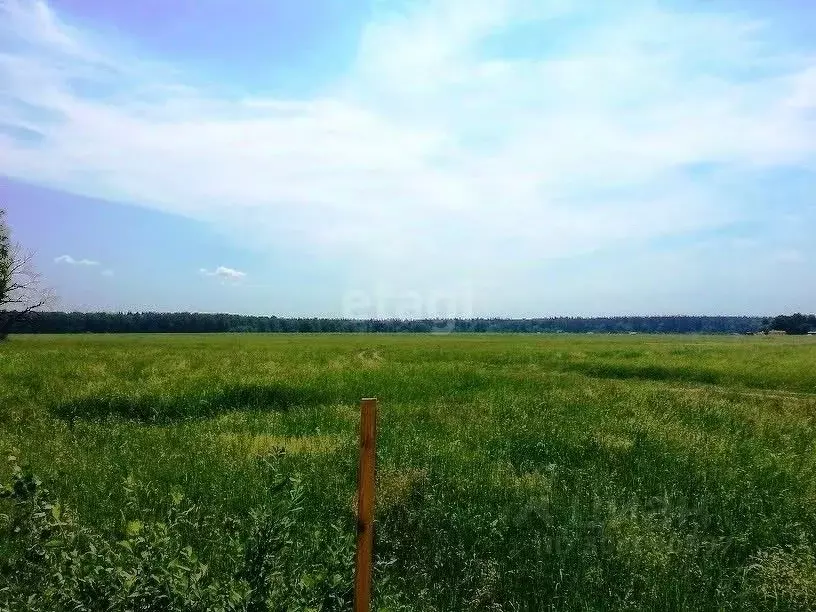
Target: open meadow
515, 472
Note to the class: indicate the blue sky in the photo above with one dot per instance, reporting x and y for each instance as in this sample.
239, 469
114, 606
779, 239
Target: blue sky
332, 157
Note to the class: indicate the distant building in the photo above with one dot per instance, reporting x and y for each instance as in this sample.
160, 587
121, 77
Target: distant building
812, 333
777, 332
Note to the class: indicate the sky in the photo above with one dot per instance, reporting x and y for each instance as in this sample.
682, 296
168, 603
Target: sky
414, 157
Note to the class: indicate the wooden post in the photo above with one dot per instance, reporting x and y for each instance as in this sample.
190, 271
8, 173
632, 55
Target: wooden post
365, 505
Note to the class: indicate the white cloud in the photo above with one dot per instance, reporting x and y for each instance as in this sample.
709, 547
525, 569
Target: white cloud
67, 259
107, 272
434, 153
224, 273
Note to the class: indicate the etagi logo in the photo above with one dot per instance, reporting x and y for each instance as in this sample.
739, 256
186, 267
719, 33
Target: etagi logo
442, 307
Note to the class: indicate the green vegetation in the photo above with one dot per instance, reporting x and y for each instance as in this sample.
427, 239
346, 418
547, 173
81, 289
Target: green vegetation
51, 322
795, 324
515, 472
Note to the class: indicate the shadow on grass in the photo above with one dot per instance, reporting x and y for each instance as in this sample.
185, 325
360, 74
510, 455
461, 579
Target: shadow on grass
645, 372
206, 403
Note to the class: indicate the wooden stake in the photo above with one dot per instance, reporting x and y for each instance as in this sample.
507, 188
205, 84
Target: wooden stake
365, 505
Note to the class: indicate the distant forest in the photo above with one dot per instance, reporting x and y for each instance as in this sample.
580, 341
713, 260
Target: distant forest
188, 322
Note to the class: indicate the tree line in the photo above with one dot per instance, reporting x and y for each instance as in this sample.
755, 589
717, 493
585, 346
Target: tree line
22, 297
48, 322
795, 324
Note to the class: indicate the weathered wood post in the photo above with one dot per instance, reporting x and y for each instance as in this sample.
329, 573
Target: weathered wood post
365, 505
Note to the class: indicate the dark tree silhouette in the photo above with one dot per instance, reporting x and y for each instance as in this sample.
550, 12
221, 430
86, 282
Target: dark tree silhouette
21, 290
51, 322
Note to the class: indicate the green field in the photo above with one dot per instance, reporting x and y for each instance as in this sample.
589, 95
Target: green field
515, 472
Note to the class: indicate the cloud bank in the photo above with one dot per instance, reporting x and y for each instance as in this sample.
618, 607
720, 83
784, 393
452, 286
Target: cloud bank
469, 137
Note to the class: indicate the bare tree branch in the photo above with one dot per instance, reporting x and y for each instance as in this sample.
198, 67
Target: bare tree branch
21, 290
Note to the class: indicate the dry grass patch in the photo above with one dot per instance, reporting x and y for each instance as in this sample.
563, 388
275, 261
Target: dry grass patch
395, 486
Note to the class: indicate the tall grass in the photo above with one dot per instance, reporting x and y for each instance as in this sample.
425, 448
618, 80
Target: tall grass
515, 472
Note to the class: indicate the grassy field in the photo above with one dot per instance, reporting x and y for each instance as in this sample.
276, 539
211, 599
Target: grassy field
515, 472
